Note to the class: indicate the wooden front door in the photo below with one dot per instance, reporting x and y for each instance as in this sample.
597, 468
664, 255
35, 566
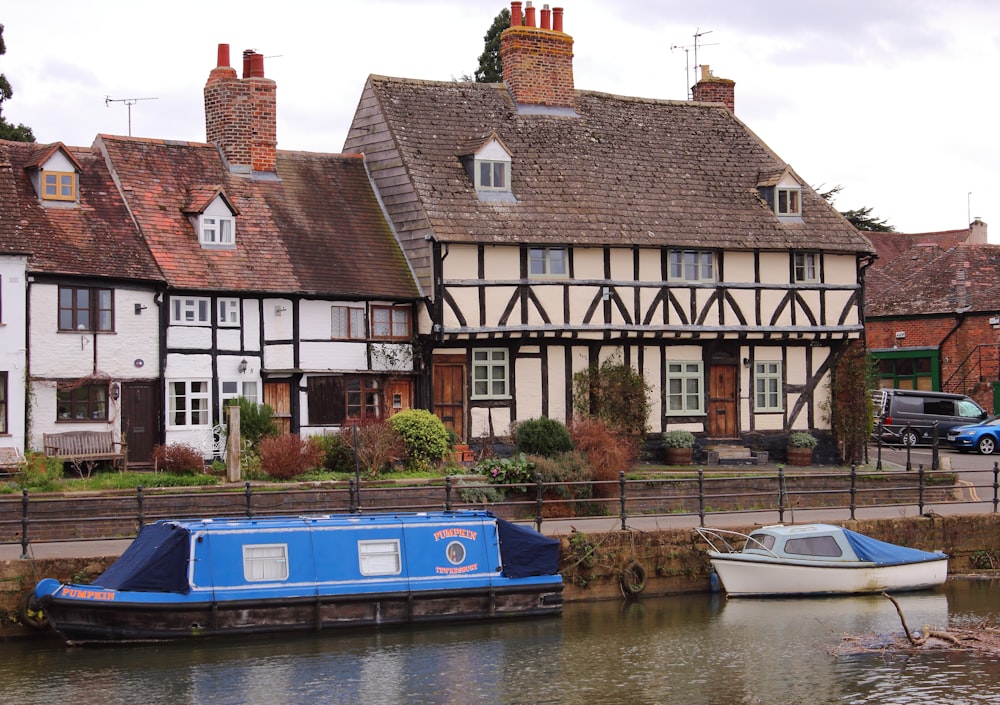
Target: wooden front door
278, 396
722, 399
398, 395
449, 392
140, 420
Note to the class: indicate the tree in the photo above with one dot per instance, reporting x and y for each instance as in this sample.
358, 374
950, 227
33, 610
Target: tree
861, 218
18, 133
490, 70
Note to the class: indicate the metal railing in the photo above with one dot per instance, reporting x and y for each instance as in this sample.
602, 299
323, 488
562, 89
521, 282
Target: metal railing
698, 494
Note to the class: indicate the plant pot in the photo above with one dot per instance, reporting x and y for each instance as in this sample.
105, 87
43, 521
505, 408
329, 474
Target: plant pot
800, 456
678, 456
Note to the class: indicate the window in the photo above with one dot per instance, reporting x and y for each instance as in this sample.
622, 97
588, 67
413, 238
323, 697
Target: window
489, 374
806, 267
788, 201
348, 323
59, 185
233, 389
335, 400
193, 311
86, 403
85, 308
229, 312
188, 403
217, 230
265, 562
492, 175
825, 546
684, 388
767, 386
362, 398
547, 261
692, 265
379, 557
391, 322
3, 402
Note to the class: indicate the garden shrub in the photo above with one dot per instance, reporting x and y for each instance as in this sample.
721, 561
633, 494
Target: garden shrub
379, 445
338, 451
569, 467
619, 396
608, 453
256, 421
425, 436
542, 436
286, 456
178, 459
518, 470
41, 472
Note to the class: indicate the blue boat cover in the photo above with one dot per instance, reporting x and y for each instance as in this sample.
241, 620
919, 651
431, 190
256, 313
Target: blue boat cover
884, 553
525, 552
155, 562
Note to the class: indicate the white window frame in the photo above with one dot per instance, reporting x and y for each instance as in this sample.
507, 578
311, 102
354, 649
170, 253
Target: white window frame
490, 368
190, 311
182, 398
548, 262
347, 323
489, 167
805, 266
379, 557
692, 266
787, 201
228, 311
232, 388
685, 390
265, 562
217, 230
767, 386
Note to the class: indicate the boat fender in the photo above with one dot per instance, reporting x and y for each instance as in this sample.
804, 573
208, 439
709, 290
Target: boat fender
30, 612
633, 579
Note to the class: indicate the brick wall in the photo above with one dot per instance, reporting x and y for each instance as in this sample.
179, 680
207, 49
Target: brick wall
538, 66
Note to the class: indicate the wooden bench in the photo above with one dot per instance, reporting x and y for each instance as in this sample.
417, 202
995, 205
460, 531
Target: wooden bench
84, 449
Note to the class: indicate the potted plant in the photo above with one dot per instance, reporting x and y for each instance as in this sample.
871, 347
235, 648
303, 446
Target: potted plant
800, 447
677, 447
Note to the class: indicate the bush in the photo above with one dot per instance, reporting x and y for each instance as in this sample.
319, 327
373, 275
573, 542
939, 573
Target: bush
518, 470
678, 439
256, 421
287, 456
569, 467
542, 436
801, 439
379, 445
178, 459
608, 453
338, 452
616, 394
41, 472
425, 436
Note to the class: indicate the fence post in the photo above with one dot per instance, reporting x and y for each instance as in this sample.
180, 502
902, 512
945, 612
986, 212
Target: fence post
351, 488
878, 445
996, 485
538, 502
621, 490
906, 434
701, 496
854, 489
920, 489
140, 500
935, 460
781, 494
447, 493
24, 523
249, 495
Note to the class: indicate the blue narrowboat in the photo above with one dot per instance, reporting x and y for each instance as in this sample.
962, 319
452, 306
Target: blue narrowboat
206, 577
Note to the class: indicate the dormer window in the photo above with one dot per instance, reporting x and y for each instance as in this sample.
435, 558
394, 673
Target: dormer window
789, 201
55, 175
492, 175
488, 164
782, 192
59, 185
216, 230
213, 216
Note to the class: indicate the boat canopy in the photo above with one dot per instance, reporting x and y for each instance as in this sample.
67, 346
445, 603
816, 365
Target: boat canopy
883, 553
525, 552
156, 561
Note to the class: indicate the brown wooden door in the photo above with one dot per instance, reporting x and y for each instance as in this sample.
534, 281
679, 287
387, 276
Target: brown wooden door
449, 392
722, 400
140, 420
398, 395
278, 396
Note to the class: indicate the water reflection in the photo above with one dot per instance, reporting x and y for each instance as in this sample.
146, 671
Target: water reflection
691, 649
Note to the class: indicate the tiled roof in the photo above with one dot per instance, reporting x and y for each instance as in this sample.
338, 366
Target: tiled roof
624, 171
889, 246
95, 239
316, 229
929, 280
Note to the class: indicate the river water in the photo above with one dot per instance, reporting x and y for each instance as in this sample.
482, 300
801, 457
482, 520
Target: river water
689, 650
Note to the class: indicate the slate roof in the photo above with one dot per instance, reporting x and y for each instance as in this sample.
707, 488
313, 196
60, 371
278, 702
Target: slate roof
930, 279
625, 171
96, 239
316, 229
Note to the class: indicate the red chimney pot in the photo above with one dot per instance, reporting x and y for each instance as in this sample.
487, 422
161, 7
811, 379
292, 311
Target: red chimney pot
223, 55
546, 13
529, 15
515, 13
557, 17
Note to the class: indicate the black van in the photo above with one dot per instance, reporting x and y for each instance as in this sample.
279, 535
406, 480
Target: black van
908, 416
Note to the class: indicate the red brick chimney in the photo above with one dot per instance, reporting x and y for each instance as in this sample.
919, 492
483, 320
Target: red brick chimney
240, 114
711, 89
537, 61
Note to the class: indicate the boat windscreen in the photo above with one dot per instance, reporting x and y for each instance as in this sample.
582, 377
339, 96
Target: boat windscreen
883, 553
525, 552
156, 561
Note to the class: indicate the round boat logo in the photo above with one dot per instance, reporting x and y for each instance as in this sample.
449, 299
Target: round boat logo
455, 552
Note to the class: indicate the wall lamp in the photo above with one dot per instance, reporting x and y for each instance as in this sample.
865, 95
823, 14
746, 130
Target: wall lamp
242, 366
116, 390
139, 308
746, 362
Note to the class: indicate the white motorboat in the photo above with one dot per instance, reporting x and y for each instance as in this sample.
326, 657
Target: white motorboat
817, 559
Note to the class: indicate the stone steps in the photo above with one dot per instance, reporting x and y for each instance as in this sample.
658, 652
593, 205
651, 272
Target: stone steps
735, 455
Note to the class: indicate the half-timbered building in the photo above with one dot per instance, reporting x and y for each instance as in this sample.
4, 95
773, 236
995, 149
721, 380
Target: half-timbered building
553, 228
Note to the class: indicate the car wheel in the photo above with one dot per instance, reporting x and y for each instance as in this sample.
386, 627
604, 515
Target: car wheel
910, 438
987, 445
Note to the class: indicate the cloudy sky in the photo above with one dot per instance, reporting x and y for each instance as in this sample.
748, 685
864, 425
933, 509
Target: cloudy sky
895, 100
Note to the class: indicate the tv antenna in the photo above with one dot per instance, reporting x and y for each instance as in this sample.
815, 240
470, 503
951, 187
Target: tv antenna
129, 102
698, 34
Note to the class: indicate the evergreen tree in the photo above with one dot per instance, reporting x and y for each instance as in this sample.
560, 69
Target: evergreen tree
490, 69
18, 133
861, 218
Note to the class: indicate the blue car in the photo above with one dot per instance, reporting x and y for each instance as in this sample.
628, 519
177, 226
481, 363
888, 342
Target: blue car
983, 436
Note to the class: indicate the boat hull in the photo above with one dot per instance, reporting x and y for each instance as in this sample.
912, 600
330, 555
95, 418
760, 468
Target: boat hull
754, 576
